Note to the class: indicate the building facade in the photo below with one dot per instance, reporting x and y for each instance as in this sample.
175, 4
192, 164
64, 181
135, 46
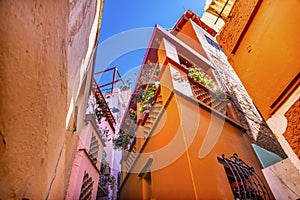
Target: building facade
182, 136
260, 39
47, 53
90, 175
117, 100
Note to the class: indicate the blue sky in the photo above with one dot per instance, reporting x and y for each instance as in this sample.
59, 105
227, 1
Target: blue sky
126, 30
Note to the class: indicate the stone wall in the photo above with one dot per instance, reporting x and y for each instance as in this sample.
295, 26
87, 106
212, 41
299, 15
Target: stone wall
292, 133
250, 118
39, 61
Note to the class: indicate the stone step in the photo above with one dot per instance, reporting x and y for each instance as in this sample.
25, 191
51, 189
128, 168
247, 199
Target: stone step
160, 103
146, 133
153, 113
148, 122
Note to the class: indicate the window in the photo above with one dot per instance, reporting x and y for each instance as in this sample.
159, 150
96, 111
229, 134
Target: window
212, 43
145, 175
243, 180
185, 62
94, 148
86, 187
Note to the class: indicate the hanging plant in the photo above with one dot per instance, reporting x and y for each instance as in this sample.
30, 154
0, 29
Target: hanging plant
122, 141
147, 99
138, 95
104, 133
111, 182
132, 114
201, 77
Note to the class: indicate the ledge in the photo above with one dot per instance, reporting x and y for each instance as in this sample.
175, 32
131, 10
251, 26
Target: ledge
213, 111
86, 153
195, 101
90, 118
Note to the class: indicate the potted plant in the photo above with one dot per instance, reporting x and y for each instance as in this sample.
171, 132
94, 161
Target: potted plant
132, 114
147, 99
202, 78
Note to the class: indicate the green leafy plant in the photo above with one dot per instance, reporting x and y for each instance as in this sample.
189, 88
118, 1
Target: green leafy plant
147, 99
201, 77
112, 182
100, 110
132, 114
122, 141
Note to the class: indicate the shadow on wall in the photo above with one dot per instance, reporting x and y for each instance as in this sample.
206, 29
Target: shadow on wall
265, 139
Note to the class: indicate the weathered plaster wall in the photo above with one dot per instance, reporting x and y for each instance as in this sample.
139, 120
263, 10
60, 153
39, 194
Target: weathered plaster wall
241, 13
292, 133
82, 163
285, 180
39, 60
279, 123
266, 57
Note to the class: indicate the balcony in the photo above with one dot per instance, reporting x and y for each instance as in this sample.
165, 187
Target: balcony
205, 87
244, 182
208, 97
106, 180
147, 120
102, 107
103, 186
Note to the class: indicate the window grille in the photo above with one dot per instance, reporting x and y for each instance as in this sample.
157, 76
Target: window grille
244, 182
86, 187
94, 148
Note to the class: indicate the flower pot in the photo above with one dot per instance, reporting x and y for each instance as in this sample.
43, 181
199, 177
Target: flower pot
231, 112
139, 115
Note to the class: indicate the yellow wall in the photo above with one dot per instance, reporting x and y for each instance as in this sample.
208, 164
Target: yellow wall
268, 58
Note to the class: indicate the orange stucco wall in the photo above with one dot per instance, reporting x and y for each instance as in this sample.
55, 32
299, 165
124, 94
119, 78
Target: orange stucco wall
189, 37
188, 176
178, 170
133, 190
267, 58
186, 141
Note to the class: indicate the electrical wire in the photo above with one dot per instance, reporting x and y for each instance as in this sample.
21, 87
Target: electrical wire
56, 167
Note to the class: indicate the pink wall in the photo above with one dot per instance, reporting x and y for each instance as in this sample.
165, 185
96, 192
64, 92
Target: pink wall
85, 138
109, 146
83, 163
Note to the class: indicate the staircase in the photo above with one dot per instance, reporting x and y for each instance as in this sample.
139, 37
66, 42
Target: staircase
152, 117
148, 125
130, 157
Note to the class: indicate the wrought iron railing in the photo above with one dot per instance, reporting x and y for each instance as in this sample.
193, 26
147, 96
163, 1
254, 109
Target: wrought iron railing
102, 105
244, 182
103, 185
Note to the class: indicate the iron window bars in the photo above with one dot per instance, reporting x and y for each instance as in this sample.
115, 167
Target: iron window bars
244, 182
86, 188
